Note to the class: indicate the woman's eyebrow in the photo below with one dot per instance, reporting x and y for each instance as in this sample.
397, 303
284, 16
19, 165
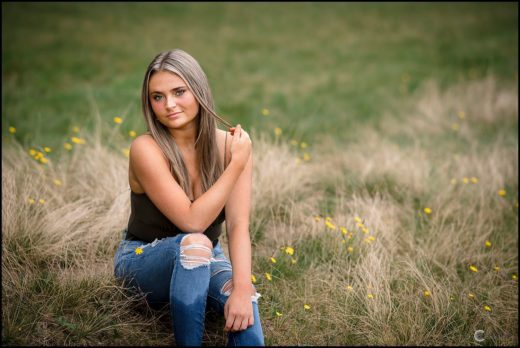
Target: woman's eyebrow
173, 89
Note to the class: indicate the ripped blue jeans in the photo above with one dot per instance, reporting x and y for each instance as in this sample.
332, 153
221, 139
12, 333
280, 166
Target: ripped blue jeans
167, 273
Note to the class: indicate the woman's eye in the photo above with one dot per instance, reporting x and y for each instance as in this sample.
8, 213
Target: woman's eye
157, 97
179, 92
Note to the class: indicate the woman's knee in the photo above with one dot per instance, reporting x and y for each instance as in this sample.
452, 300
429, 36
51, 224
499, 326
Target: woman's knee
196, 251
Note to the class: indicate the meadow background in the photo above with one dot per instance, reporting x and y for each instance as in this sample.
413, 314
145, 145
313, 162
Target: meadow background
385, 205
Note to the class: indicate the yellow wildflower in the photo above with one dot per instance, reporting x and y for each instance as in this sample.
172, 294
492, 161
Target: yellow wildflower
501, 192
343, 242
357, 219
31, 201
306, 307
289, 250
67, 146
77, 140
132, 134
32, 152
328, 218
473, 269
350, 288
462, 115
44, 160
513, 277
57, 182
126, 152
330, 225
453, 181
12, 130
75, 129
455, 126
317, 218
306, 157
343, 230
273, 260
118, 120
278, 131
265, 112
268, 276
42, 201
364, 229
253, 278
294, 142
487, 308
370, 296
474, 180
488, 243
303, 145
426, 293
293, 261
497, 268
465, 180
452, 298
350, 249
38, 155
360, 225
427, 211
298, 161
138, 251
278, 314
47, 149
471, 295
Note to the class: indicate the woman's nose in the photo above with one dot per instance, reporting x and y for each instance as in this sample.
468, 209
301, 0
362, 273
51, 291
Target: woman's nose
170, 102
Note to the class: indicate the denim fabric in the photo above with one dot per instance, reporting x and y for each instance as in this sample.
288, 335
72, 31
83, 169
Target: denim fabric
158, 273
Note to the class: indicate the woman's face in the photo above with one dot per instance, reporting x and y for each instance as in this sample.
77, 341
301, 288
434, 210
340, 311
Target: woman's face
172, 102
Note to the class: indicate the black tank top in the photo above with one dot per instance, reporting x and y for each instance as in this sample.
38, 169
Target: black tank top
147, 222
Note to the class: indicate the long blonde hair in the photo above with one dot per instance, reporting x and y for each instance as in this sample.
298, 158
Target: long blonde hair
189, 70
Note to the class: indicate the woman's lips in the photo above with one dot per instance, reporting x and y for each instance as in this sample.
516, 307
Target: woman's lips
174, 115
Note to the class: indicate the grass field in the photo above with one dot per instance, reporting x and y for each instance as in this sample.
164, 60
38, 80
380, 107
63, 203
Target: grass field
394, 178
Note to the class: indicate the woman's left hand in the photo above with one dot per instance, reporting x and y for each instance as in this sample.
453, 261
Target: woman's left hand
238, 310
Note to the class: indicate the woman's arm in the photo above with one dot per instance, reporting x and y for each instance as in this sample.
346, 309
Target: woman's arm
238, 310
152, 171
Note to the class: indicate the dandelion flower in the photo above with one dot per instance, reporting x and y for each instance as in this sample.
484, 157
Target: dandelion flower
350, 249
126, 152
488, 243
501, 192
32, 152
350, 288
452, 298
471, 295
513, 277
67, 146
273, 260
473, 269
294, 142
278, 131
427, 211
357, 219
487, 308
330, 225
44, 160
12, 130
75, 129
364, 229
265, 112
118, 120
31, 201
303, 145
293, 261
306, 157
268, 276
360, 225
426, 293
497, 268
289, 250
57, 182
42, 201
370, 296
253, 278
132, 134
343, 230
278, 314
465, 180
474, 180
138, 251
77, 140
306, 307
462, 115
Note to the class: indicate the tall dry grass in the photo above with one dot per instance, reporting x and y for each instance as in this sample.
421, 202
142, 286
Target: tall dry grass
362, 287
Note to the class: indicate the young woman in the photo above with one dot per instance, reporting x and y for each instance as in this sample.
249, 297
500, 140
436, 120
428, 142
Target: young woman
186, 177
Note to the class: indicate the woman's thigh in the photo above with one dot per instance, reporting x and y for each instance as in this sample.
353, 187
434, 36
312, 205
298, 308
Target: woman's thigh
148, 266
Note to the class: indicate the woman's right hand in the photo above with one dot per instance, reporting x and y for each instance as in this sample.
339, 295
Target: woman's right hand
240, 145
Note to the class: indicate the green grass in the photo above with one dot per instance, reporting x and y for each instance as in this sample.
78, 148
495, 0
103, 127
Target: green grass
321, 68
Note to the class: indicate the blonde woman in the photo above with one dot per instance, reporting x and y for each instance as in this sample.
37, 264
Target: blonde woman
186, 177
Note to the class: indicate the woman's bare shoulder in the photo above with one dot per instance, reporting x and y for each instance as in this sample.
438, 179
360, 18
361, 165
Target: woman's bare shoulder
144, 145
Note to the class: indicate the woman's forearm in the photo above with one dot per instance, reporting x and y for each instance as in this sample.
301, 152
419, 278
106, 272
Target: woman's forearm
205, 209
240, 256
